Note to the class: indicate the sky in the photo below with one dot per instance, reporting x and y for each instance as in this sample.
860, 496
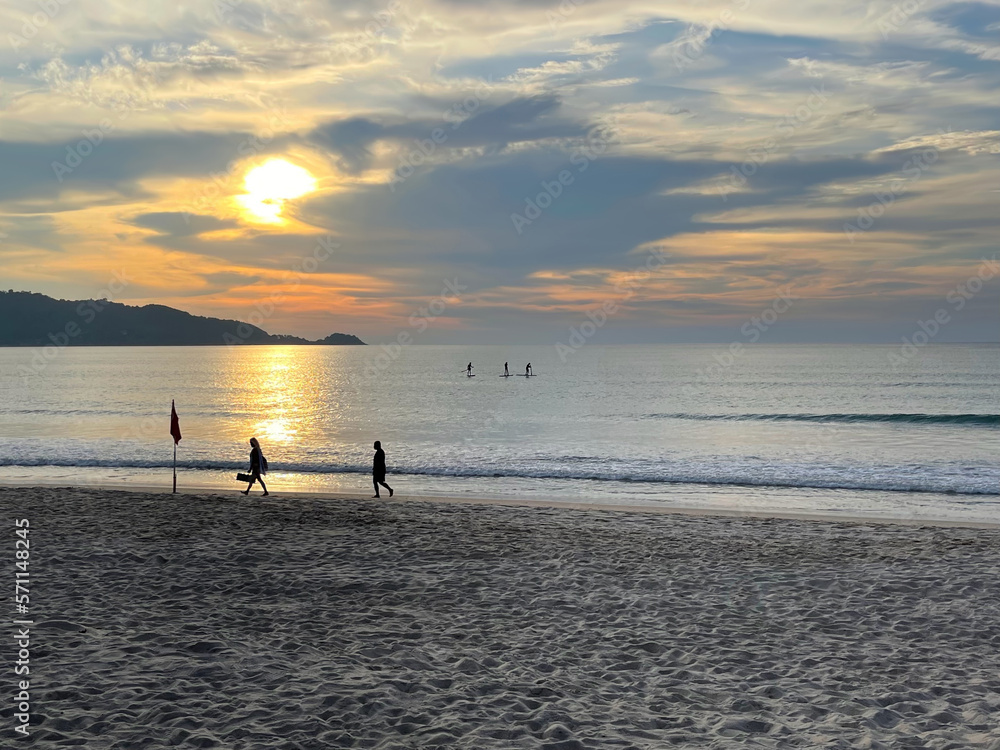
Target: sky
505, 171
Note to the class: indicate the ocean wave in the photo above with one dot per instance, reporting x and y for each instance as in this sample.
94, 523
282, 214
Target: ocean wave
970, 420
886, 479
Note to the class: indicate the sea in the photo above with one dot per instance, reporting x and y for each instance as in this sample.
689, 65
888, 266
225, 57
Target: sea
853, 431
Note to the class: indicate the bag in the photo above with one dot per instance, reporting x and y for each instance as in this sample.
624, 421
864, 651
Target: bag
244, 477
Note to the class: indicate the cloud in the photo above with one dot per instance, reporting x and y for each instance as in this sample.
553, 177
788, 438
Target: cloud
101, 158
713, 142
520, 120
180, 224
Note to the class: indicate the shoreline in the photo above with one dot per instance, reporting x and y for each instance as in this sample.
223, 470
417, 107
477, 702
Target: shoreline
659, 510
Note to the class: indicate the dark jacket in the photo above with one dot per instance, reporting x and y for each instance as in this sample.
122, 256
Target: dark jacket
255, 461
378, 467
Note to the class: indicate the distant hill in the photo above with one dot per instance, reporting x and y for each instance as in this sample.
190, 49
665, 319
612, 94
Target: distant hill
30, 319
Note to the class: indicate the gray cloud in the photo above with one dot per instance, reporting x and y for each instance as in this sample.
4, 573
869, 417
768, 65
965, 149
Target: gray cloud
520, 120
178, 224
32, 170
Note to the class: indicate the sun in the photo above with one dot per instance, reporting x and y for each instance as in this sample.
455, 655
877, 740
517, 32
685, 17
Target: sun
272, 183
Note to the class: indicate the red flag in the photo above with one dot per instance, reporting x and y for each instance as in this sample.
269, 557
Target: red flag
175, 425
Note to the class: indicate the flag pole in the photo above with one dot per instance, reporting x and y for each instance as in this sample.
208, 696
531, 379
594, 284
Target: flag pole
175, 468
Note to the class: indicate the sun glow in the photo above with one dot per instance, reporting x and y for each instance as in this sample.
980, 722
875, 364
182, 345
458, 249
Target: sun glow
269, 185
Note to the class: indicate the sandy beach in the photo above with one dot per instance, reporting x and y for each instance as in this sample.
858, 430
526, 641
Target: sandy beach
221, 621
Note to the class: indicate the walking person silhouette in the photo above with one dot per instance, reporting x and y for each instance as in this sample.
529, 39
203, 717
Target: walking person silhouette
258, 466
378, 470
